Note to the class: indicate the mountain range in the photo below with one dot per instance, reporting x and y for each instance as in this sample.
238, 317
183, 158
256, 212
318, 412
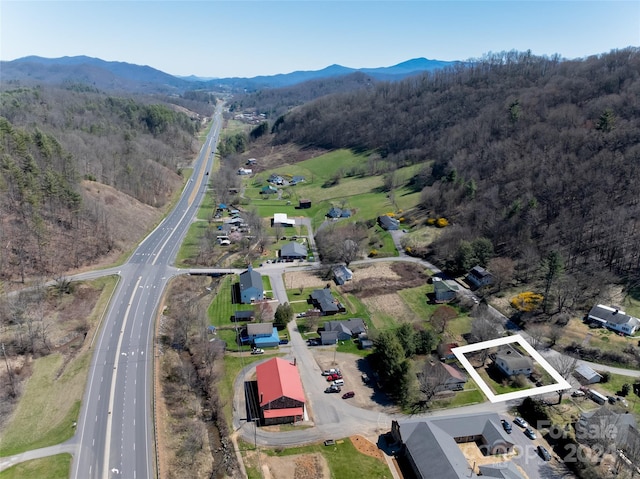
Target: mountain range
118, 76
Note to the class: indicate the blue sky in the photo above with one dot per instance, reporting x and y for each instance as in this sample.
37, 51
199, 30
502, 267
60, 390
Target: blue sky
214, 38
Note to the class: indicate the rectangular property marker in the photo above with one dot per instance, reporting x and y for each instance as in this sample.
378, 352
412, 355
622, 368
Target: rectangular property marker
460, 352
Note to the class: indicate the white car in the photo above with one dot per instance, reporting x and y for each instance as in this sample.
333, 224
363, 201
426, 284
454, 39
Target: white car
521, 422
257, 351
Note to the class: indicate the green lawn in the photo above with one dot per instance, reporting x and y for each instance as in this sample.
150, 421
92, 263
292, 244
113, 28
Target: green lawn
341, 458
44, 391
462, 398
53, 467
190, 247
611, 387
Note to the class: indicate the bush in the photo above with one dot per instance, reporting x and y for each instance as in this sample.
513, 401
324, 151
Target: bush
606, 375
442, 222
626, 389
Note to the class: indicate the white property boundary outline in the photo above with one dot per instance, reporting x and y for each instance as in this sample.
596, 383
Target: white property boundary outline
561, 383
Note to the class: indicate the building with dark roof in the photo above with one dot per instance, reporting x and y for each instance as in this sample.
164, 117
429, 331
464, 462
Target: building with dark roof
431, 445
388, 223
323, 300
342, 274
293, 250
479, 277
614, 318
346, 329
251, 286
280, 393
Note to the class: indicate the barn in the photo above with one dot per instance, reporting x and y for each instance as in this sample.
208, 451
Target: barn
280, 392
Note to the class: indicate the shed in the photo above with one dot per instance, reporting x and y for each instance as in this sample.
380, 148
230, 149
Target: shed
342, 274
586, 375
304, 204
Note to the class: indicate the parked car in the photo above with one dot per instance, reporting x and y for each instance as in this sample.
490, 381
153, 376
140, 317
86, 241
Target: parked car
257, 351
333, 377
577, 393
348, 395
507, 426
530, 433
520, 422
329, 372
333, 389
365, 378
544, 454
283, 341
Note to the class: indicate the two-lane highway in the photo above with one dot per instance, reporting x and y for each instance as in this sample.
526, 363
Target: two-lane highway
115, 430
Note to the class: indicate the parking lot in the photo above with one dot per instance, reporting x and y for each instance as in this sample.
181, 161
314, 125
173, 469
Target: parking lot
352, 367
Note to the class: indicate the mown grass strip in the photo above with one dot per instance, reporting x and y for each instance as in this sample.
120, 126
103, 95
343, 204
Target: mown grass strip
53, 467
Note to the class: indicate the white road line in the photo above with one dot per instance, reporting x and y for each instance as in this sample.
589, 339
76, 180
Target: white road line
107, 446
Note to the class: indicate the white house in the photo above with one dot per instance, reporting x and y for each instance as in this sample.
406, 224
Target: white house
280, 219
512, 363
614, 319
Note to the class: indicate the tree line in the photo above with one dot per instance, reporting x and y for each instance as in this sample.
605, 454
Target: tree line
534, 154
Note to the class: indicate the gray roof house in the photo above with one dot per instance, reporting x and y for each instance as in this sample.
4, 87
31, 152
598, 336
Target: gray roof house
431, 445
293, 250
604, 426
388, 223
346, 329
250, 286
479, 277
614, 318
328, 337
325, 302
342, 274
512, 363
444, 291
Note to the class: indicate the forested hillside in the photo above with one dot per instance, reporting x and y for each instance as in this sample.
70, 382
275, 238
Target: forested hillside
538, 155
276, 102
56, 146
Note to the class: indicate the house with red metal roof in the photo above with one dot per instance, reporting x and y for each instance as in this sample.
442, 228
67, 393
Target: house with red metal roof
280, 392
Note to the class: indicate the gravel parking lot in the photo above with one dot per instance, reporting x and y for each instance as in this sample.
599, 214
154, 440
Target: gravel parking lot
352, 367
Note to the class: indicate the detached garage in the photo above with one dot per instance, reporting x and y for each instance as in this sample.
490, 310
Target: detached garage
586, 375
280, 392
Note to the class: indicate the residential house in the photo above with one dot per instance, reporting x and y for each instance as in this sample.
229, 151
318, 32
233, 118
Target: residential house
430, 446
280, 393
444, 351
346, 329
293, 250
450, 377
334, 212
586, 375
614, 319
479, 277
605, 426
268, 190
262, 335
511, 363
328, 337
251, 288
342, 274
280, 219
276, 179
388, 223
444, 291
296, 179
323, 300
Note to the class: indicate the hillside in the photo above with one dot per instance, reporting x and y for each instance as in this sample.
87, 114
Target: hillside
83, 175
536, 154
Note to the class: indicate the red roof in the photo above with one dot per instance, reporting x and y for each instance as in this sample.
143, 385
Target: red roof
276, 378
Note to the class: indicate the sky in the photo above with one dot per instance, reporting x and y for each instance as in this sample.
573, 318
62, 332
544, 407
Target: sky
242, 38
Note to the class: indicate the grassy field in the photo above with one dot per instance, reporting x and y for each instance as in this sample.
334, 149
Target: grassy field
611, 388
51, 399
49, 405
53, 467
470, 395
191, 244
577, 331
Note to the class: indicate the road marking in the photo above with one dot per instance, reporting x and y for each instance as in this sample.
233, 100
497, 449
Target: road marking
107, 446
